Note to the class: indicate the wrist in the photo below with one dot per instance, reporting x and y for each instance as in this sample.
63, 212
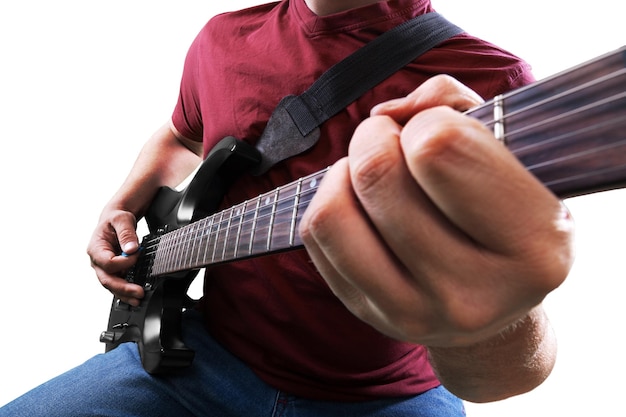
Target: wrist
514, 361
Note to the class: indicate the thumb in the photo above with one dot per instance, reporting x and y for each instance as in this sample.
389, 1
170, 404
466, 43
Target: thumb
129, 248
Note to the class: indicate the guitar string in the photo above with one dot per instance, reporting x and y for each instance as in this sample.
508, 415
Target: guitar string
610, 60
179, 238
579, 112
555, 120
179, 234
217, 241
612, 124
555, 139
589, 86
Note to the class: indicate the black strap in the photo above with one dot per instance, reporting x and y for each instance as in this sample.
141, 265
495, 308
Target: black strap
294, 125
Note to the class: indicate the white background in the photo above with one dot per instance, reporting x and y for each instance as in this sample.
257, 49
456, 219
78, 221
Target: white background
84, 83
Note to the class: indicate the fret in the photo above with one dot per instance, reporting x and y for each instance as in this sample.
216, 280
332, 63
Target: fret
173, 249
173, 243
226, 233
270, 226
161, 261
192, 258
183, 254
211, 234
194, 246
308, 190
284, 204
203, 243
216, 239
207, 223
253, 229
185, 241
246, 229
498, 118
233, 248
171, 252
295, 213
262, 224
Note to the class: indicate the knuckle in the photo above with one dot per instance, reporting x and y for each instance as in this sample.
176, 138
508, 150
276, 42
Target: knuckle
470, 321
326, 209
437, 138
357, 304
106, 282
122, 216
374, 161
368, 172
406, 326
316, 220
553, 261
122, 220
123, 225
459, 309
550, 255
127, 235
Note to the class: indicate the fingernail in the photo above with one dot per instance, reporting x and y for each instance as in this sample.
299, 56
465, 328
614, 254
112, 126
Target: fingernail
129, 248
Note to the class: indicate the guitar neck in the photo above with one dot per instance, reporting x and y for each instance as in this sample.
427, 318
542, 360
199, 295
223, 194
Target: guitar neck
262, 225
569, 130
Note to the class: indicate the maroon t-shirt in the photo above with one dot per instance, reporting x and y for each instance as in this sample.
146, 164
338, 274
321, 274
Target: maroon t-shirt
276, 312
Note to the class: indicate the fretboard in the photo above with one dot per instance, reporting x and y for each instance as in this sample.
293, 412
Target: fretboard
569, 130
265, 224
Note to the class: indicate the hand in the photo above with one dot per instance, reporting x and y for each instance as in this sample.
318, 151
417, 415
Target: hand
432, 231
113, 249
116, 231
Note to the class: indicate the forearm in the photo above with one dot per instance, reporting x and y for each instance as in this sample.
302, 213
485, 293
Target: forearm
513, 362
163, 161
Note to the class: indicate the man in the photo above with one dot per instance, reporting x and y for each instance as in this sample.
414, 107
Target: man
429, 248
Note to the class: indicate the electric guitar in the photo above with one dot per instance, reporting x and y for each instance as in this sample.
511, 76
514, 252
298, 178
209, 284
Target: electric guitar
569, 130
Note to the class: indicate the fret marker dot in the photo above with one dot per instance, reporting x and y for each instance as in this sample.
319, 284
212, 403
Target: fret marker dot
313, 183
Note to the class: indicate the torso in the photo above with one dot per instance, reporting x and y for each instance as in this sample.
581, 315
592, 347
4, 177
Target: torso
276, 313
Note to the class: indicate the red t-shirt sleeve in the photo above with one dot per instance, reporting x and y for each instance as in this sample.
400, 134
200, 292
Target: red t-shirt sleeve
187, 115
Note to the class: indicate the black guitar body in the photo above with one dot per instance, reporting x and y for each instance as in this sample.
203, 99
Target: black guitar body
155, 325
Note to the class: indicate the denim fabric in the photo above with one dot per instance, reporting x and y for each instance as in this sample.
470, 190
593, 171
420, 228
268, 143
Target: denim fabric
217, 385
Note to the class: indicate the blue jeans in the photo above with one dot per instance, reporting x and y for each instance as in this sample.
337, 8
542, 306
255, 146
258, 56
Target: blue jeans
217, 385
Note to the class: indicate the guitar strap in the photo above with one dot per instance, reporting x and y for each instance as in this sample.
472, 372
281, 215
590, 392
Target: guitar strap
294, 125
